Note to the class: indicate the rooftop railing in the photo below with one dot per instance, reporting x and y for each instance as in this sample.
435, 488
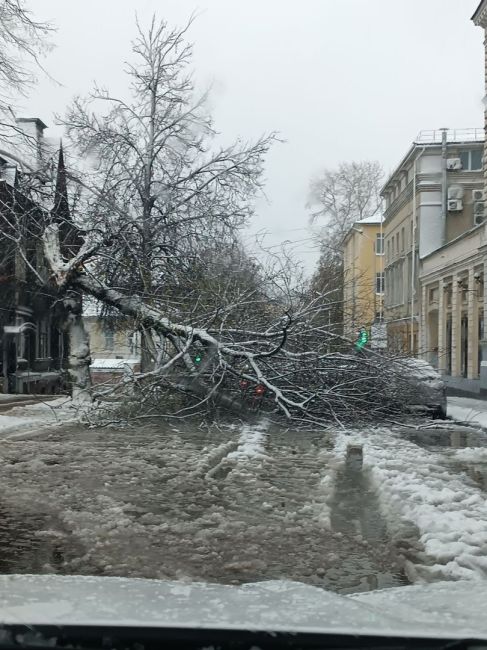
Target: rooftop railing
453, 135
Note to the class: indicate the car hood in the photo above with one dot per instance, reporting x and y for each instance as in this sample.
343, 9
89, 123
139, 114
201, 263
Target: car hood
441, 610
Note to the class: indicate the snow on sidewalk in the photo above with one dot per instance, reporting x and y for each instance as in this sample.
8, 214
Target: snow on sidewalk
466, 409
27, 419
421, 498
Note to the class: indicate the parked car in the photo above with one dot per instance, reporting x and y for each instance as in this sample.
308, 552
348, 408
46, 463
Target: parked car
428, 388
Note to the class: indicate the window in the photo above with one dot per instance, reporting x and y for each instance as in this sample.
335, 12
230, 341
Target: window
132, 343
402, 240
109, 334
379, 282
397, 243
379, 244
388, 249
471, 160
393, 246
43, 339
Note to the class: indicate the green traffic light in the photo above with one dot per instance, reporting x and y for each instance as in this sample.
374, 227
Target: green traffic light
198, 357
363, 339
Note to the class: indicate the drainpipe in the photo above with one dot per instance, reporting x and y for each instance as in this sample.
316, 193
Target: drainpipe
413, 251
353, 283
382, 267
444, 188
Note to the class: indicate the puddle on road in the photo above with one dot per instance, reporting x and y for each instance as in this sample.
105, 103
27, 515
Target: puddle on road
356, 513
32, 543
455, 438
451, 439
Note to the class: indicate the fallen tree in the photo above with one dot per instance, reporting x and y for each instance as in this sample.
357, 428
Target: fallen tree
152, 233
286, 358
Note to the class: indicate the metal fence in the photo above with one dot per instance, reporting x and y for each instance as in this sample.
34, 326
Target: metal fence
453, 135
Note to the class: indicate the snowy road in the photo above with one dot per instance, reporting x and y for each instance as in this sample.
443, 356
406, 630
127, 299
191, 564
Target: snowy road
246, 503
230, 506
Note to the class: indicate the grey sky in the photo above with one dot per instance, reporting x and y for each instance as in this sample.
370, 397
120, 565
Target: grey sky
339, 79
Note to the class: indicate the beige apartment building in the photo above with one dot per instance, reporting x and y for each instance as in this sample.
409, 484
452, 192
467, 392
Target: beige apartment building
363, 267
432, 199
115, 349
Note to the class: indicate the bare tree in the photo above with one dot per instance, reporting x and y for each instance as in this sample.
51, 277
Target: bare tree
23, 41
339, 197
277, 356
154, 236
157, 190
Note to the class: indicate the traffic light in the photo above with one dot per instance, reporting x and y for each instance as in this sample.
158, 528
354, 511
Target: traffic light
363, 339
198, 358
259, 390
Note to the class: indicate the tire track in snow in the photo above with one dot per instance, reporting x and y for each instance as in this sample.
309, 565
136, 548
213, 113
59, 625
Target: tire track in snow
443, 517
249, 446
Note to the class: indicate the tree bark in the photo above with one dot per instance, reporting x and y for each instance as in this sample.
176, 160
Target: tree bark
79, 349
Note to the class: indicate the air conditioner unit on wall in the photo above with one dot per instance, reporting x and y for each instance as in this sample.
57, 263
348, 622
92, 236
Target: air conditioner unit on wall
455, 192
479, 212
479, 207
478, 195
455, 205
453, 164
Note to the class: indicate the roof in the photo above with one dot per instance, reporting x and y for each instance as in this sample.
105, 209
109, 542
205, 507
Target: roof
39, 123
113, 364
373, 219
476, 16
91, 307
429, 140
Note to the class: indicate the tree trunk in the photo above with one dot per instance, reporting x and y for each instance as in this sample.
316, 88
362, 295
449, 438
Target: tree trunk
79, 349
148, 352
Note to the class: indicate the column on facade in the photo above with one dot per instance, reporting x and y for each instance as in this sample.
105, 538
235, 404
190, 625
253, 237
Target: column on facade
456, 327
483, 342
422, 323
441, 327
473, 320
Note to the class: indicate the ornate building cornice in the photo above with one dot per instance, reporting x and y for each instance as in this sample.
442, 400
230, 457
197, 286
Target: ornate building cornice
480, 16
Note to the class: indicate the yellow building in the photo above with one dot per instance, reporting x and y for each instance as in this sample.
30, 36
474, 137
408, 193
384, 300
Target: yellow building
363, 275
114, 344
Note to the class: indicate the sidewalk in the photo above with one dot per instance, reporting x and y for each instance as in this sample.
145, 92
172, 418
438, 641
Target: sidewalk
466, 409
24, 416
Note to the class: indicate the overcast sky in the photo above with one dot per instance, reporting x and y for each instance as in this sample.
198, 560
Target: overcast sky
340, 80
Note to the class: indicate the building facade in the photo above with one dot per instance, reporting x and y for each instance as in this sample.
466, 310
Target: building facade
433, 198
33, 345
452, 316
480, 20
363, 269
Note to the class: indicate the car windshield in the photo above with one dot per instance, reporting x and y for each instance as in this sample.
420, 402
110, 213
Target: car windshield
242, 313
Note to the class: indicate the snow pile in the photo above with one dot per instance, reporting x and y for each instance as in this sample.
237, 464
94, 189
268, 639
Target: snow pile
464, 409
27, 419
421, 498
251, 442
469, 455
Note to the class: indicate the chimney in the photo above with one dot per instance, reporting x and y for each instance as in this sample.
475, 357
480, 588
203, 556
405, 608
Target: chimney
32, 129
